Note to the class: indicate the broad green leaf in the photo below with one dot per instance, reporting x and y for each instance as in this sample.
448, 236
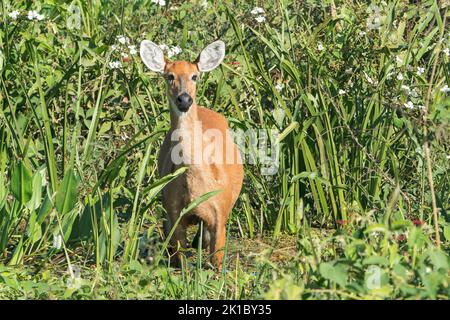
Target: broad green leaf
336, 272
44, 210
379, 260
401, 224
2, 58
66, 198
21, 183
36, 198
3, 189
439, 260
18, 254
104, 127
416, 238
447, 232
376, 227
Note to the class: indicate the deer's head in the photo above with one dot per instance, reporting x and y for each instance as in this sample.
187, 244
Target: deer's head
181, 76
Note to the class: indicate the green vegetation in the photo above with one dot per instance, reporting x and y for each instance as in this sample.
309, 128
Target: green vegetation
358, 93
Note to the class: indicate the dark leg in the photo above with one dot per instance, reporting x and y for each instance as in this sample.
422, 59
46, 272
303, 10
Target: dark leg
206, 237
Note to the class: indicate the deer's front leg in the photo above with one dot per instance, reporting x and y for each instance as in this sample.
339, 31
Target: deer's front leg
217, 244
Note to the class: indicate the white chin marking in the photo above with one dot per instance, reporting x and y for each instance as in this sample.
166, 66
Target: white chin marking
179, 113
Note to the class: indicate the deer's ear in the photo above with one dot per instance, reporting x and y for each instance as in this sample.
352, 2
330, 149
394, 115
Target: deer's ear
211, 57
152, 56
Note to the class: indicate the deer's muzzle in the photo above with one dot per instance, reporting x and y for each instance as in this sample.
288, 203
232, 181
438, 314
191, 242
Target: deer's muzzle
184, 101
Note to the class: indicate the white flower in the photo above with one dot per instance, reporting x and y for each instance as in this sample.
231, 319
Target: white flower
132, 49
446, 51
113, 47
257, 10
400, 76
123, 39
173, 51
445, 89
342, 92
409, 105
398, 60
57, 241
115, 65
421, 107
124, 54
176, 50
414, 93
279, 87
362, 33
260, 19
14, 15
164, 47
160, 2
405, 88
33, 14
420, 71
320, 46
369, 79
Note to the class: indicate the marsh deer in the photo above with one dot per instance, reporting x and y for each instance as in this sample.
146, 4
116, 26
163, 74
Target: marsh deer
198, 138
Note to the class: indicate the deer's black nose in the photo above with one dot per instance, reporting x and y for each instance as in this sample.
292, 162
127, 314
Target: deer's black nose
184, 101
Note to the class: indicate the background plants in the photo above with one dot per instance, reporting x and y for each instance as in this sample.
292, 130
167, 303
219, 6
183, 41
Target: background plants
358, 92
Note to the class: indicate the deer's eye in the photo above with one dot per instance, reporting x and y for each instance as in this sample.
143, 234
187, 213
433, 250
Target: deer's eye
170, 77
194, 77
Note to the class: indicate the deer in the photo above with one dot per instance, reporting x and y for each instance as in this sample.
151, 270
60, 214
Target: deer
200, 140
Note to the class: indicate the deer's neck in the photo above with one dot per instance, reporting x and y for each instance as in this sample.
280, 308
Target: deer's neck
186, 135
